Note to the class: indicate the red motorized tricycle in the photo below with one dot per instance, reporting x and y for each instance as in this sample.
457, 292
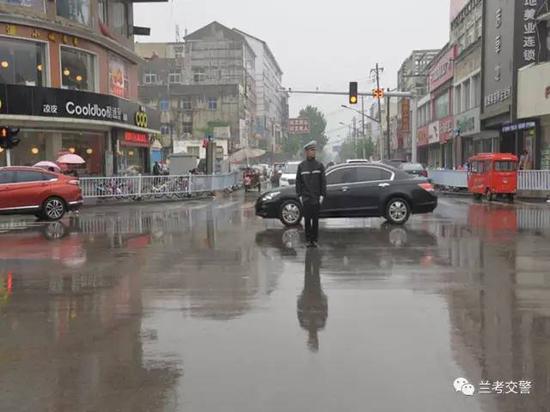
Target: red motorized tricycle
493, 174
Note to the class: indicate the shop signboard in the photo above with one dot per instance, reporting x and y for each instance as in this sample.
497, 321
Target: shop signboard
446, 129
298, 126
443, 69
422, 136
433, 132
467, 124
135, 139
73, 104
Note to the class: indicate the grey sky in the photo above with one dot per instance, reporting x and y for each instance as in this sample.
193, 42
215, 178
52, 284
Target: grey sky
321, 43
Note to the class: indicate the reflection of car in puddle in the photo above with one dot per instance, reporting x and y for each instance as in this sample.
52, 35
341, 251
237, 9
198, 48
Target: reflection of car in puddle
49, 241
496, 222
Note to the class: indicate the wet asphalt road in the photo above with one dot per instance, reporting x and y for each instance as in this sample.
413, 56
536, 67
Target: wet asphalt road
200, 306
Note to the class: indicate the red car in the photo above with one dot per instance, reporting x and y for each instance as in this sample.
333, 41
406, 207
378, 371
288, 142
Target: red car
31, 190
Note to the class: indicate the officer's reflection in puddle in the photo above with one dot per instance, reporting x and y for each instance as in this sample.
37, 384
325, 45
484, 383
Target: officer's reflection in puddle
312, 303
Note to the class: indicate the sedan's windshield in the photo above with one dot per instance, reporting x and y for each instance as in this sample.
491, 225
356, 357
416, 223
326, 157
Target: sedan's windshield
291, 168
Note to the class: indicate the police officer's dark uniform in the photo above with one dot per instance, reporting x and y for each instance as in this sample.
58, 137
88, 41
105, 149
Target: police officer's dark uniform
311, 187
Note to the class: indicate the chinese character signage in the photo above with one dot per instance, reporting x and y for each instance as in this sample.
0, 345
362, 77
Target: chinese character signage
498, 387
405, 115
60, 103
528, 26
443, 70
298, 126
135, 139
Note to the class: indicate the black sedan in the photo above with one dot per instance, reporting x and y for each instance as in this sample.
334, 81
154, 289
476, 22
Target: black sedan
357, 190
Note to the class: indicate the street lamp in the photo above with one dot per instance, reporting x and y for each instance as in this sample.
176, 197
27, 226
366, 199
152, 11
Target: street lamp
361, 113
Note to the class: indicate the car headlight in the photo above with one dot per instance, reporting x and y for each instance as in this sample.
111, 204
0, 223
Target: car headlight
271, 195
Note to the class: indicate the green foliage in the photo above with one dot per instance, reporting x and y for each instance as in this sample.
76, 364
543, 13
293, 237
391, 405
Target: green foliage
362, 148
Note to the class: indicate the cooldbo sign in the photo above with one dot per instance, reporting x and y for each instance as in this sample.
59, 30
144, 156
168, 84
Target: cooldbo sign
73, 104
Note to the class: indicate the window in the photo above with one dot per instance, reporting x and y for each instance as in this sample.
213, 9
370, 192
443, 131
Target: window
77, 70
102, 11
7, 177
164, 106
178, 51
505, 166
370, 174
193, 150
150, 78
442, 106
212, 103
77, 10
24, 176
22, 62
458, 100
174, 77
186, 103
35, 4
467, 95
198, 74
165, 129
340, 176
119, 17
476, 90
187, 127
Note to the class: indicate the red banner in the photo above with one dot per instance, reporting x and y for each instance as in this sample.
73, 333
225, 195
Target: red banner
135, 139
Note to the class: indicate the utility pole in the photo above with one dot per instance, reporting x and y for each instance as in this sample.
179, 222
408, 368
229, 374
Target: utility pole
388, 137
364, 135
376, 71
355, 135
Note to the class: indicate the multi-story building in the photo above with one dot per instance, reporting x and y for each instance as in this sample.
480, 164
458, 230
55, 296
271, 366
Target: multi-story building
435, 136
271, 98
514, 36
534, 91
411, 77
69, 81
218, 56
466, 33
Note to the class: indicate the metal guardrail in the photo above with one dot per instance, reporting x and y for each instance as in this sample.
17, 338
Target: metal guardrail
155, 187
532, 180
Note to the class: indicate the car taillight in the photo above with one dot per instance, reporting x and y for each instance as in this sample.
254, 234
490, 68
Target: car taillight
428, 187
424, 173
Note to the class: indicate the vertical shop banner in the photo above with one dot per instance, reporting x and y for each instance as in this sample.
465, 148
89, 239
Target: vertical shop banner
117, 76
405, 115
529, 41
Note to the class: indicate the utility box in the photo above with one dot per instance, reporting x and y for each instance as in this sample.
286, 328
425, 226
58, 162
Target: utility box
182, 163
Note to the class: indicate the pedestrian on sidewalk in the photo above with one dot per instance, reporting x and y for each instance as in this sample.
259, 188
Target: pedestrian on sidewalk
311, 188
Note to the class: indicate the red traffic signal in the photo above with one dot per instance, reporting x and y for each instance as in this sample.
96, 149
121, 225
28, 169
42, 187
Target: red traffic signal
4, 132
353, 93
8, 139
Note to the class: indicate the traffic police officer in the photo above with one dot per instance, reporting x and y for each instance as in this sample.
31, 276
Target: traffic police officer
311, 187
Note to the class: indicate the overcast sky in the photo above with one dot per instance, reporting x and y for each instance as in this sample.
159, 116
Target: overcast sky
321, 44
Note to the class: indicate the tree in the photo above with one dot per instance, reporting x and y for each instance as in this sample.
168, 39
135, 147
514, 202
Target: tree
362, 148
317, 127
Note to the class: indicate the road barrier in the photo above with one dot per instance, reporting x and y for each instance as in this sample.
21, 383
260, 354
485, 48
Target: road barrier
155, 187
528, 180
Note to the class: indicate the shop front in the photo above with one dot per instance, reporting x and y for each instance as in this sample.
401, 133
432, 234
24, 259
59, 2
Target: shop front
54, 121
533, 129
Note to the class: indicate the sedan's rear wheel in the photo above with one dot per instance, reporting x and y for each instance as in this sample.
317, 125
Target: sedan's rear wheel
398, 211
53, 208
290, 213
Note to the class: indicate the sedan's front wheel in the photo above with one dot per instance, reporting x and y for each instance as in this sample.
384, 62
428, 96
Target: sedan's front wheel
53, 208
290, 213
398, 211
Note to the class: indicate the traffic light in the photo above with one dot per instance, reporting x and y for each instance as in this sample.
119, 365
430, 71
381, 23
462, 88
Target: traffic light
8, 139
353, 97
378, 93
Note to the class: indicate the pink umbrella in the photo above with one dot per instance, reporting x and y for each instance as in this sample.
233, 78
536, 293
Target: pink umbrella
71, 159
45, 164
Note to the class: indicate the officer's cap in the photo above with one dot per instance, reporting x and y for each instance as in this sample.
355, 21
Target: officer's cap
311, 145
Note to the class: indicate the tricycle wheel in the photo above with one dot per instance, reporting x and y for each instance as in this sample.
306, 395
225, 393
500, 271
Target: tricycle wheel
511, 197
477, 196
489, 195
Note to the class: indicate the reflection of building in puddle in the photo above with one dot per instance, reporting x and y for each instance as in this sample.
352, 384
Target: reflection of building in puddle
500, 305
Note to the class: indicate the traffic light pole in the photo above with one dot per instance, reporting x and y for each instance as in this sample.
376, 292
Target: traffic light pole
8, 157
